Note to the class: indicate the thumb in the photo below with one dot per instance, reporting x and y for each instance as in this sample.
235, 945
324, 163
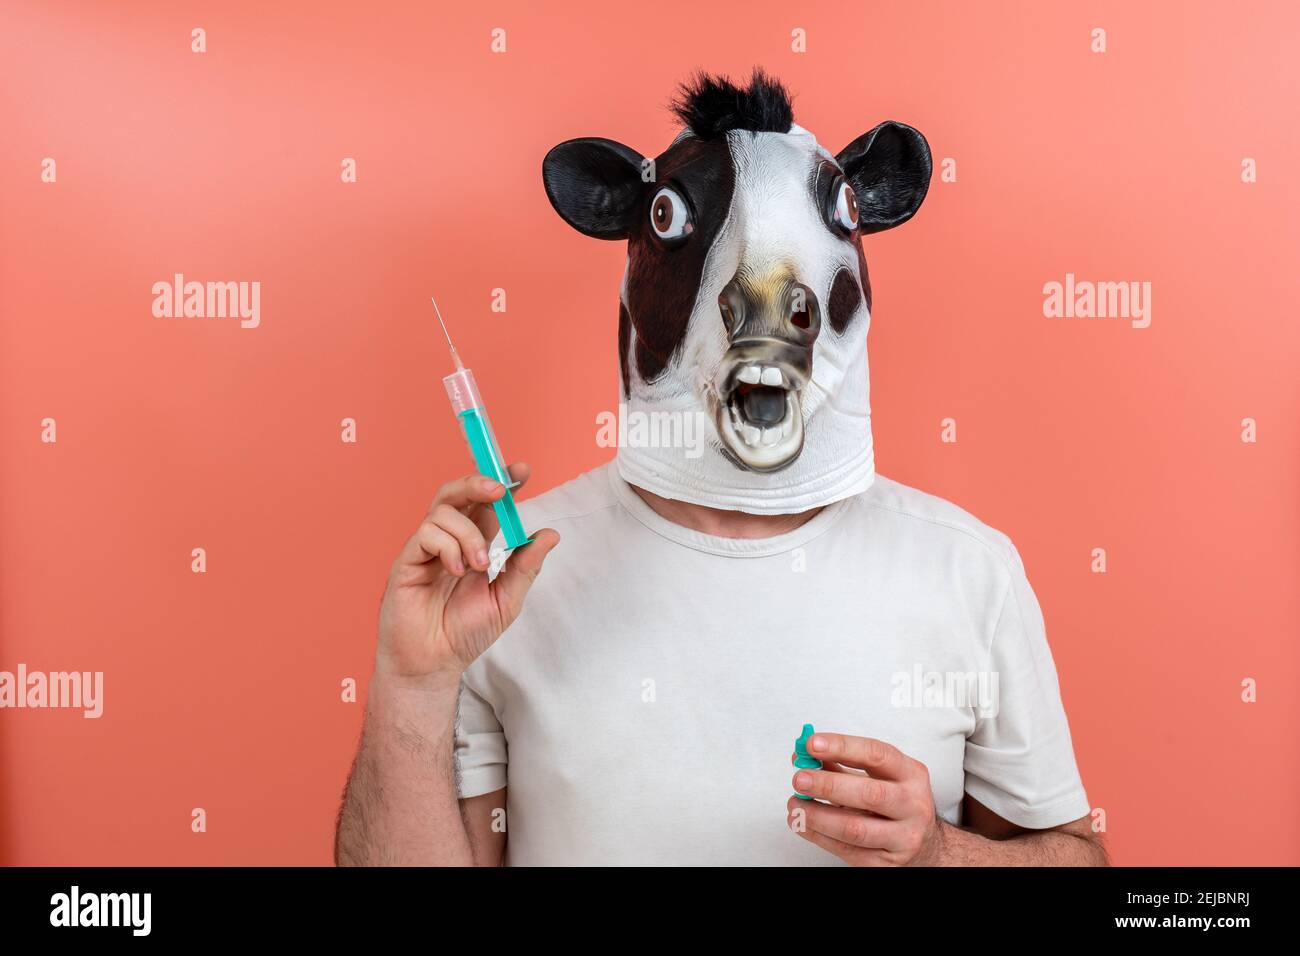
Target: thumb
512, 584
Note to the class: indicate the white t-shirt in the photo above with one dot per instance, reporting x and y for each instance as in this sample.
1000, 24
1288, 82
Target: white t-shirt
644, 707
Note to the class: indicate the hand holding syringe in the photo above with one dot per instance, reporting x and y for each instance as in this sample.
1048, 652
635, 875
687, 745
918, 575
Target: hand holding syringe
445, 604
443, 608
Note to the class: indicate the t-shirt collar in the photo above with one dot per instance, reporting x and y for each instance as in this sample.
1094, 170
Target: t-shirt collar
712, 544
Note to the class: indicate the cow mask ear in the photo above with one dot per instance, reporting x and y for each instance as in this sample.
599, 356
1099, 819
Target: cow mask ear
595, 185
889, 168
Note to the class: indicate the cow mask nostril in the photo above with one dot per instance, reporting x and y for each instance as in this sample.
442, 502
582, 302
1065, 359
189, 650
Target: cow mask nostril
730, 315
803, 309
754, 310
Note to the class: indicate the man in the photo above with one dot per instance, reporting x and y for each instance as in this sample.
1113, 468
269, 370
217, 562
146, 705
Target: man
708, 601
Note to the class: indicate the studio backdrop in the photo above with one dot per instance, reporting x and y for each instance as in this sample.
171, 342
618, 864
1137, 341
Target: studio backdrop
1088, 338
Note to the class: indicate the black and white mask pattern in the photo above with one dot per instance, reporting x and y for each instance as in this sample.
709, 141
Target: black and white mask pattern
746, 296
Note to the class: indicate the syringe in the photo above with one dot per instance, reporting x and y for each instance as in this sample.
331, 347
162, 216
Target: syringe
472, 415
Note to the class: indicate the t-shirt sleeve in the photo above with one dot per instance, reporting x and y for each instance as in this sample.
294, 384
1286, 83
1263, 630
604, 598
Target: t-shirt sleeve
480, 746
1019, 758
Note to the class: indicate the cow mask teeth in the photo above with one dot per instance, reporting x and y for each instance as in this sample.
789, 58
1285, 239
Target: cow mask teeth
758, 411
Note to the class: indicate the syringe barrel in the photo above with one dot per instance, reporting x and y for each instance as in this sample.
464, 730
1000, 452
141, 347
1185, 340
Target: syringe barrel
468, 407
462, 390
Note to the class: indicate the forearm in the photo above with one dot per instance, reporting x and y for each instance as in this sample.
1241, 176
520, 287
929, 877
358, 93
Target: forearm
401, 806
961, 847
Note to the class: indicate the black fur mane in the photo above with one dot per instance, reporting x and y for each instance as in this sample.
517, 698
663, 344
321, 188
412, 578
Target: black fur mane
712, 105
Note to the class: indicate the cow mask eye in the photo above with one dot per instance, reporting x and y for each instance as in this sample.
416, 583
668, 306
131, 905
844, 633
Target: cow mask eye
845, 212
670, 217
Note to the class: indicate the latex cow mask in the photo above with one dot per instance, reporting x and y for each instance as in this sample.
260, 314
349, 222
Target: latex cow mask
746, 295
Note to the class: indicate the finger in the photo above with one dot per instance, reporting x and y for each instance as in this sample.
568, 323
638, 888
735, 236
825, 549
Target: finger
512, 584
484, 515
851, 826
520, 471
431, 543
874, 756
467, 490
853, 855
860, 792
473, 547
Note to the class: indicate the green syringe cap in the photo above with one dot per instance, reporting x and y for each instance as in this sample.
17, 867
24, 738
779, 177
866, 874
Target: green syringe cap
803, 760
801, 743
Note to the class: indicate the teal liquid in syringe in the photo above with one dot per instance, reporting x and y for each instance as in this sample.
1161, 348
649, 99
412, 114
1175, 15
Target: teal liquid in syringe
473, 417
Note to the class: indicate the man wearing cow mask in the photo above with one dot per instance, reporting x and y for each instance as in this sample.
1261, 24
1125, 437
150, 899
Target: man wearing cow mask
707, 601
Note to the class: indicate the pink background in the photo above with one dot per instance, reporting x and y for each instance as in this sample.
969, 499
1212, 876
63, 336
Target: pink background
222, 690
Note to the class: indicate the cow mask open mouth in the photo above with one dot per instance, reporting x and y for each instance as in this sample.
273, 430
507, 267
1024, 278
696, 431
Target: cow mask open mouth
746, 295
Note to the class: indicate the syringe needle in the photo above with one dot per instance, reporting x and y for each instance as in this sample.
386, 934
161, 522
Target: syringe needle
438, 312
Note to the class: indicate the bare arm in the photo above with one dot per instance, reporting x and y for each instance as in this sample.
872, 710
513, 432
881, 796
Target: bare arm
400, 806
439, 614
487, 840
986, 839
